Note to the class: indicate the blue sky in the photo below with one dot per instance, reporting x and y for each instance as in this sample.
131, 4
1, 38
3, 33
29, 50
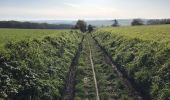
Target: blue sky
83, 9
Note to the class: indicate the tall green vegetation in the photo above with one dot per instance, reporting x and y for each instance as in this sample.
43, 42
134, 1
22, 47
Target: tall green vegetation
36, 66
146, 59
15, 35
36, 69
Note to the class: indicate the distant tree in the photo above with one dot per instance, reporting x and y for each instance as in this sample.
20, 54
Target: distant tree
90, 28
30, 25
158, 21
137, 22
81, 25
115, 24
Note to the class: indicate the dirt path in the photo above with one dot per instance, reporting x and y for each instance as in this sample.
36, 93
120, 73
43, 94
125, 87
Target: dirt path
94, 74
97, 79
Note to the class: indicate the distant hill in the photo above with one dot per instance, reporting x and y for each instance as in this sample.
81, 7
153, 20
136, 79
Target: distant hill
70, 23
33, 25
98, 23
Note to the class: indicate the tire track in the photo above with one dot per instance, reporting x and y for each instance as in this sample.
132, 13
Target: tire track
85, 88
69, 90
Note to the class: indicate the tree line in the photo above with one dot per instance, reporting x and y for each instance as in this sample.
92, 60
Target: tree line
30, 25
142, 22
150, 22
159, 21
81, 24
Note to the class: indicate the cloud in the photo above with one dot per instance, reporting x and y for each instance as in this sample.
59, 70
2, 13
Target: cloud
72, 5
70, 10
90, 8
84, 9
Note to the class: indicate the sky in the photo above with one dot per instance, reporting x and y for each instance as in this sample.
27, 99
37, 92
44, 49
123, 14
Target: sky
83, 9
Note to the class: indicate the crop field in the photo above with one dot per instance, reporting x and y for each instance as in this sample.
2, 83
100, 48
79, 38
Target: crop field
8, 35
143, 53
158, 33
120, 63
35, 69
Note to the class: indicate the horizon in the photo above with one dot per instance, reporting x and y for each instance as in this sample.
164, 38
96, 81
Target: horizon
81, 19
86, 10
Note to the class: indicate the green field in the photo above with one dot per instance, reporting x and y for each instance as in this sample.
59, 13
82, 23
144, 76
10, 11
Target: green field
159, 33
36, 63
47, 64
15, 35
144, 53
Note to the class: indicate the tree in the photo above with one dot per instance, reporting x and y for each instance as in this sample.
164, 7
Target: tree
81, 25
115, 24
30, 25
90, 28
158, 21
137, 22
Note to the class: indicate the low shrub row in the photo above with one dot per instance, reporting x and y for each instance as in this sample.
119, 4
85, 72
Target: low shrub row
36, 69
147, 62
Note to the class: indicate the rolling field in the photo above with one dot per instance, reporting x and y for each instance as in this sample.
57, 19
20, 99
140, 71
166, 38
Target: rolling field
158, 33
143, 53
14, 35
84, 50
120, 63
35, 67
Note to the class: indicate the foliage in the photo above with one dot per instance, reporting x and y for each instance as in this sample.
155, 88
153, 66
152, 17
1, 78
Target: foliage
90, 28
145, 57
81, 25
36, 69
15, 35
35, 63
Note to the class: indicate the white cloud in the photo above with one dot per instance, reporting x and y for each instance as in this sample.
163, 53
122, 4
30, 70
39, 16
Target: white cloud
72, 5
83, 9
